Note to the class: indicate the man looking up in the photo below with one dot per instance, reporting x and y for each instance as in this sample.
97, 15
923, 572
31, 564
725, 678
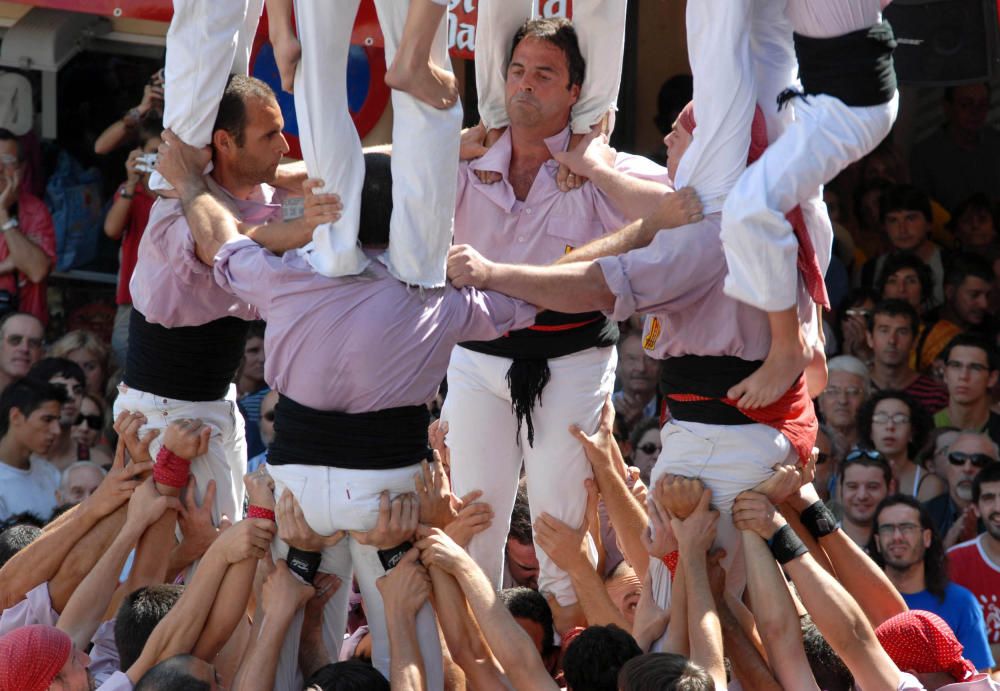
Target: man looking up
186, 334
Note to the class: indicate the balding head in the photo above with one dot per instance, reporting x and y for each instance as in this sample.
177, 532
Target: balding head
968, 454
79, 481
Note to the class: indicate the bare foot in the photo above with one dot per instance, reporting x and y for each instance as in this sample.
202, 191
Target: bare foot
816, 373
769, 383
287, 53
428, 82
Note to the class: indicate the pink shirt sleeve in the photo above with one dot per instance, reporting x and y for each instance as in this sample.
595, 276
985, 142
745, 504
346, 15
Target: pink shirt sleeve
118, 681
35, 608
104, 660
485, 315
245, 269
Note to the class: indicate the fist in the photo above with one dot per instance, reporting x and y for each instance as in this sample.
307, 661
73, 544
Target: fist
187, 438
468, 268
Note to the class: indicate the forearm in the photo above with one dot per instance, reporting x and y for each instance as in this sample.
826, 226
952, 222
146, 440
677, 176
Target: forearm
313, 653
704, 630
594, 600
82, 558
149, 567
260, 663
85, 610
815, 549
40, 561
676, 639
511, 646
117, 218
111, 138
748, 665
862, 578
634, 197
570, 288
28, 258
406, 665
635, 234
280, 237
227, 609
211, 224
289, 176
625, 513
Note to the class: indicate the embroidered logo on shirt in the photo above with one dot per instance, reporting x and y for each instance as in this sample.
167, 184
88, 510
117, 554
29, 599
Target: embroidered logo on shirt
569, 248
652, 335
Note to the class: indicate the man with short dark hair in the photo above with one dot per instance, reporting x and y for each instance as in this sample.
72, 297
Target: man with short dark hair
976, 564
22, 341
16, 538
970, 373
70, 376
593, 659
28, 242
916, 564
968, 280
138, 615
532, 612
865, 480
29, 426
892, 331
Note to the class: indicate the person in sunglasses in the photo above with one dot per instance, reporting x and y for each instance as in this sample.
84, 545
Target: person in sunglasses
915, 562
953, 513
87, 429
865, 480
970, 372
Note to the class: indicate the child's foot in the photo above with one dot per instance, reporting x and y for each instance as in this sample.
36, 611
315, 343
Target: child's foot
287, 53
782, 367
428, 82
816, 373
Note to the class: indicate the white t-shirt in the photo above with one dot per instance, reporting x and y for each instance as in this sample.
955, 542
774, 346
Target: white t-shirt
31, 490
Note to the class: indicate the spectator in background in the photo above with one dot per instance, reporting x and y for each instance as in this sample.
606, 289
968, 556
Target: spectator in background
905, 214
869, 236
87, 429
520, 561
28, 242
78, 482
963, 158
905, 277
638, 374
847, 387
976, 564
21, 346
126, 221
646, 446
970, 371
854, 324
251, 387
69, 375
953, 514
916, 563
865, 480
126, 130
828, 458
892, 333
967, 285
895, 425
935, 454
973, 222
29, 425
90, 352
266, 427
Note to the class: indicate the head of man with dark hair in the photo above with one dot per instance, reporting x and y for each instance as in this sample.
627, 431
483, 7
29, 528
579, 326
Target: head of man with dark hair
520, 557
663, 672
544, 76
911, 550
531, 611
22, 338
180, 673
970, 372
67, 374
865, 480
247, 143
829, 670
376, 201
595, 657
16, 538
350, 675
906, 215
904, 276
138, 615
968, 279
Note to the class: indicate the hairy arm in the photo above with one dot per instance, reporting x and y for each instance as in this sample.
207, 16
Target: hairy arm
748, 664
28, 258
704, 629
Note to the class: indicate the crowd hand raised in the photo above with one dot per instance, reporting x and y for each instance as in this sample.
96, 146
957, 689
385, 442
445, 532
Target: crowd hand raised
696, 533
320, 207
187, 438
679, 495
468, 268
473, 518
260, 488
803, 498
326, 585
785, 482
438, 508
11, 190
677, 209
437, 549
651, 620
638, 488
437, 433
119, 484
658, 537
283, 592
407, 586
147, 505
754, 512
132, 174
181, 164
717, 575
566, 546
397, 521
127, 426
152, 93
248, 539
195, 521
599, 446
294, 530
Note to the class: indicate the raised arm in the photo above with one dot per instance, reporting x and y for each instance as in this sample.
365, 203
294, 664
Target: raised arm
404, 591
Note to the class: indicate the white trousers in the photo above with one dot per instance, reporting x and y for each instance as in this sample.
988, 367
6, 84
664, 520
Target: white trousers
600, 27
821, 138
341, 499
425, 144
226, 459
486, 451
207, 40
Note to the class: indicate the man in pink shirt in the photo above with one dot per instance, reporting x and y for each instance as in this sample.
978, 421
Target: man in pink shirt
186, 334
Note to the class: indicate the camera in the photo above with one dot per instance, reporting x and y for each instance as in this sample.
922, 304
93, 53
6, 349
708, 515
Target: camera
146, 163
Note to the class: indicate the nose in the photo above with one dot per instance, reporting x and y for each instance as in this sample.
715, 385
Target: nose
284, 145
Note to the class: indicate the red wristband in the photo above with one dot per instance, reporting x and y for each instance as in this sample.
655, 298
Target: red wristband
170, 469
670, 560
254, 511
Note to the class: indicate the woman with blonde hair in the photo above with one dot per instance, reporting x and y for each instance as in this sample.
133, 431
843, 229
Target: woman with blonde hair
86, 349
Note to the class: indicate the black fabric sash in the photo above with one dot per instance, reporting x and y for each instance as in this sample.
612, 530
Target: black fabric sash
376, 440
705, 375
189, 363
856, 68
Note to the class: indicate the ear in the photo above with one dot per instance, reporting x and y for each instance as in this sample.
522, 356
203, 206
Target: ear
222, 141
992, 381
878, 543
928, 536
949, 292
868, 339
574, 92
15, 417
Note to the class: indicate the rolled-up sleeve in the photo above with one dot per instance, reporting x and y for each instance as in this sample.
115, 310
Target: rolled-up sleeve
486, 315
35, 608
677, 269
246, 270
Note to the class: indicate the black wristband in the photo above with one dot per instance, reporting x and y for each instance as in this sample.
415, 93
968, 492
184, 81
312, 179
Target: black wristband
304, 564
785, 545
818, 520
390, 557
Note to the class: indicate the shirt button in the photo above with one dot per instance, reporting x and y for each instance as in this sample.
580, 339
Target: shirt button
527, 211
520, 238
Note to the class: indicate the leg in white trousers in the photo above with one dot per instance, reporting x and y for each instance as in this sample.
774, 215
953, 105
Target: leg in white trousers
206, 41
226, 459
339, 499
424, 157
600, 26
485, 454
823, 137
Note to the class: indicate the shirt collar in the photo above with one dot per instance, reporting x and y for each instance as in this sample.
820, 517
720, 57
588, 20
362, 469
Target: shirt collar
497, 160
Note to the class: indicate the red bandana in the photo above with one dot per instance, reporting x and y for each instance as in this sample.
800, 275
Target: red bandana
922, 642
31, 657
